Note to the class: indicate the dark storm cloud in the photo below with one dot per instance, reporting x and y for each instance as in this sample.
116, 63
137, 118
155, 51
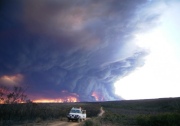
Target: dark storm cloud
78, 46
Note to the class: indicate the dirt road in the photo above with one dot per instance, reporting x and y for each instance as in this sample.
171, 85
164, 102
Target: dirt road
63, 123
52, 123
101, 112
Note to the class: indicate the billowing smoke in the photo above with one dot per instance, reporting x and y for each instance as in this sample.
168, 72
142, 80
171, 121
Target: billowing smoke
78, 46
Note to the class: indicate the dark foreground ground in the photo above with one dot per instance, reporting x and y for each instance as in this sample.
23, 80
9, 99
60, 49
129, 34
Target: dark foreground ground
153, 112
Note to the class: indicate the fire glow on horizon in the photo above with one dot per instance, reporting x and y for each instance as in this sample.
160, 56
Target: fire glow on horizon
60, 100
65, 96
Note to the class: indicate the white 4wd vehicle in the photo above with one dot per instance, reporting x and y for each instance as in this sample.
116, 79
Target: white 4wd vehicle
77, 114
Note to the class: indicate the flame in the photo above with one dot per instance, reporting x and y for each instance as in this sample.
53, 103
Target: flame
60, 100
97, 96
94, 94
65, 97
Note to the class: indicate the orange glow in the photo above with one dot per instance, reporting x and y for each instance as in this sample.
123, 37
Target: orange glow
60, 100
97, 96
11, 80
94, 94
65, 96
2, 92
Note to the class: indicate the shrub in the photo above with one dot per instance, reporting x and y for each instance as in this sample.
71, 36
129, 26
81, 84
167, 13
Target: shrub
166, 119
96, 121
88, 123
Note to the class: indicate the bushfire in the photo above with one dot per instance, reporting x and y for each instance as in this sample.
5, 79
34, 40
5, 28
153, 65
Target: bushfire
65, 96
97, 96
60, 100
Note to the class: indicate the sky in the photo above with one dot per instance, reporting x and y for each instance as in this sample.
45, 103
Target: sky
85, 50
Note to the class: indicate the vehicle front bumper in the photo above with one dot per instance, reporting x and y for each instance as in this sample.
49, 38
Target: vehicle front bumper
73, 117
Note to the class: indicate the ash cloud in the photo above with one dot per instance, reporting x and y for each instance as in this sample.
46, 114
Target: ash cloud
76, 46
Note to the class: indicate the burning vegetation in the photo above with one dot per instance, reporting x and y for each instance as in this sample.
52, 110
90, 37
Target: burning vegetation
60, 100
65, 96
97, 96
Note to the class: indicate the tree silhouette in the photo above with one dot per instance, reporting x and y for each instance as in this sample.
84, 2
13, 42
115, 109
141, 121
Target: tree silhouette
3, 91
16, 95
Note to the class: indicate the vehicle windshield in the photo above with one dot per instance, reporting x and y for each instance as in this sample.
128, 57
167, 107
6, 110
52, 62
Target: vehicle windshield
75, 111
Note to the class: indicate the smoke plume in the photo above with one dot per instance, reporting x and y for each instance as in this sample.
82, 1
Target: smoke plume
78, 46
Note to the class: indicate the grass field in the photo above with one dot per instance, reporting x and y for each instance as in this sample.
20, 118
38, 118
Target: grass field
154, 112
33, 112
158, 112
